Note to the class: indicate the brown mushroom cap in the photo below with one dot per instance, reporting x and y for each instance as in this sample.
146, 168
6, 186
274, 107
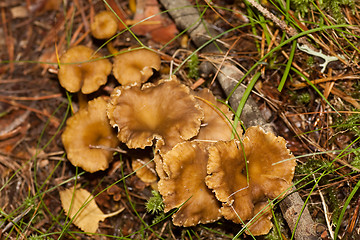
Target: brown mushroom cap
165, 112
87, 76
89, 126
226, 177
271, 165
217, 124
104, 25
184, 186
261, 224
270, 170
135, 66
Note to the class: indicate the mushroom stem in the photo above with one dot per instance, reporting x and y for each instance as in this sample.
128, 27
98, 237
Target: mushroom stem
111, 48
82, 98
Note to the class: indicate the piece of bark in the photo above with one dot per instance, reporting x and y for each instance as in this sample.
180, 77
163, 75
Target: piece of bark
251, 115
185, 16
291, 208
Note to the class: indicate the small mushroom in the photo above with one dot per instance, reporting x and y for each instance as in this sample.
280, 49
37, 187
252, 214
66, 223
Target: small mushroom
217, 124
104, 25
184, 186
269, 172
165, 112
86, 128
144, 169
79, 71
135, 67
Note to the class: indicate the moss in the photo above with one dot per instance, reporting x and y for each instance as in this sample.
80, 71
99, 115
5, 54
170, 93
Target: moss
300, 98
193, 66
155, 204
310, 61
303, 98
351, 123
356, 160
333, 7
310, 166
334, 203
37, 237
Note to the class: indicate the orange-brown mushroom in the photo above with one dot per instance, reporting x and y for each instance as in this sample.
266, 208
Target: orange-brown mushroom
104, 25
86, 128
269, 172
135, 67
261, 223
144, 169
184, 186
79, 71
217, 124
165, 112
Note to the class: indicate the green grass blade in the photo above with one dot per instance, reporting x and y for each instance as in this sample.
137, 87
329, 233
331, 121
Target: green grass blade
288, 67
347, 202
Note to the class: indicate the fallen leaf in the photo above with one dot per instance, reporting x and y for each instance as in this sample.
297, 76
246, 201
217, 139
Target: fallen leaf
81, 207
159, 27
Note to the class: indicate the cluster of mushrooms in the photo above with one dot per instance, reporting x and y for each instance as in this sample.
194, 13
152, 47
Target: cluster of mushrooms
204, 166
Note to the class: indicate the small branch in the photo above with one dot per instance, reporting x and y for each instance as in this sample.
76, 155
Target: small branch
107, 148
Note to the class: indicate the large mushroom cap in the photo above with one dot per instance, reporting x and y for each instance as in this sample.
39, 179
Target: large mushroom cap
227, 177
104, 25
77, 71
165, 111
184, 186
89, 127
271, 165
270, 170
217, 124
135, 66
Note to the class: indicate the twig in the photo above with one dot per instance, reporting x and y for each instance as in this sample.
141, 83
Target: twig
107, 148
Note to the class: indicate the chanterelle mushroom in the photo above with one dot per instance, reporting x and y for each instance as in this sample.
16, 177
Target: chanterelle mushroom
104, 25
89, 127
184, 186
78, 71
145, 169
270, 171
135, 66
165, 112
217, 124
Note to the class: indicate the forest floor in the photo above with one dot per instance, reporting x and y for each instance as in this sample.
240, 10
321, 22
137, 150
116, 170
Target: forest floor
314, 107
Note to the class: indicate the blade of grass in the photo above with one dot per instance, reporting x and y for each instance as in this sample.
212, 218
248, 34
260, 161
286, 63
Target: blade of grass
244, 98
288, 67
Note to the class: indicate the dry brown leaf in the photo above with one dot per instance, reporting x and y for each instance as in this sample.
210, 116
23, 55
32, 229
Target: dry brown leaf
158, 27
81, 207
